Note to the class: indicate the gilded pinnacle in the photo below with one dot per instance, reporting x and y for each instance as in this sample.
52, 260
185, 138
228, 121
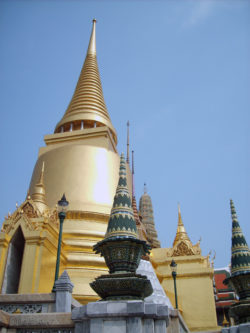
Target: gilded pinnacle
41, 180
38, 194
181, 233
87, 108
92, 41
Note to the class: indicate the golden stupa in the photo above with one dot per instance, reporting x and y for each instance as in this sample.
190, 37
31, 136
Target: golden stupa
80, 159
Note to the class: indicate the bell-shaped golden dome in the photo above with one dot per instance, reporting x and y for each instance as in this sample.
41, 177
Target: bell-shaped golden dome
87, 108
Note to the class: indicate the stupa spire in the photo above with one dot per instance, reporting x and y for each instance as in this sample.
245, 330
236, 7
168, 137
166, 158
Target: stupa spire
240, 257
38, 194
181, 233
122, 222
92, 41
133, 172
127, 142
87, 108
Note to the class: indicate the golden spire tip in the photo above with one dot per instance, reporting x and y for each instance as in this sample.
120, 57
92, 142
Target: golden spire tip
179, 215
92, 41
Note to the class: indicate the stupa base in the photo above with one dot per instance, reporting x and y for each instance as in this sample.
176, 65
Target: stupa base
127, 286
240, 312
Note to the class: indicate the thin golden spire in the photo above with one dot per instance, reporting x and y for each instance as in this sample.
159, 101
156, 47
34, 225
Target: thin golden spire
38, 194
92, 41
87, 104
180, 223
41, 179
181, 233
127, 142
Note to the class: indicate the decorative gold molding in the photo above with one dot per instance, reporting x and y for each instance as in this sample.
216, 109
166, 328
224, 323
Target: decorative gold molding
29, 210
182, 249
80, 215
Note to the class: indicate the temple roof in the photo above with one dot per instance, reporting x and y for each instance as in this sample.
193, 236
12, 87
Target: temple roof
240, 257
87, 103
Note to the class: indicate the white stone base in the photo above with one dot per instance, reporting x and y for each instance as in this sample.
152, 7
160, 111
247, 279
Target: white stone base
121, 317
158, 296
242, 328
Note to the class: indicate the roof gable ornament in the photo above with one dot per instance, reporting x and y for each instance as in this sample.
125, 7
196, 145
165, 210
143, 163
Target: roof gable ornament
182, 245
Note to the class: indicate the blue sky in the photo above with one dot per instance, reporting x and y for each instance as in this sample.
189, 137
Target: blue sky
177, 70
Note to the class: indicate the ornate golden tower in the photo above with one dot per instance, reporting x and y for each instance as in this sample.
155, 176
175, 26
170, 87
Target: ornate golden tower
80, 159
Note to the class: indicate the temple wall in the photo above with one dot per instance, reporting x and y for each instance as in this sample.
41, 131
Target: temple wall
194, 288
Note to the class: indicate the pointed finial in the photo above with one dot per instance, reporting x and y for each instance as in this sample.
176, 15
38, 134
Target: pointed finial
87, 103
41, 179
240, 257
28, 197
16, 205
145, 188
179, 209
92, 41
133, 172
127, 142
179, 215
233, 211
181, 233
38, 194
122, 222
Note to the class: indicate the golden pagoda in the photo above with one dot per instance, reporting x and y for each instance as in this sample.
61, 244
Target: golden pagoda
194, 280
80, 159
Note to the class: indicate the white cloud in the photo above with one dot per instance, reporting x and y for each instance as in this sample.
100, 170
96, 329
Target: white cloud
201, 9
